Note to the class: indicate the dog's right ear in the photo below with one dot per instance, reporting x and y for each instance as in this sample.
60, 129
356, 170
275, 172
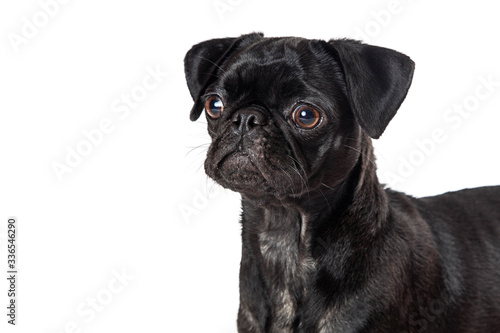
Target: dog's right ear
202, 63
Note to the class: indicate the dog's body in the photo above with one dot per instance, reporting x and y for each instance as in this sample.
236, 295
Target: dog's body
325, 247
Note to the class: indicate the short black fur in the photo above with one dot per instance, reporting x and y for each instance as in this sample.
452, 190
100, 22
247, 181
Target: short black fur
325, 247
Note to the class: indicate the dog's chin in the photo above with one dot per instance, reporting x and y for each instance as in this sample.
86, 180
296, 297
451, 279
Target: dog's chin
237, 172
255, 179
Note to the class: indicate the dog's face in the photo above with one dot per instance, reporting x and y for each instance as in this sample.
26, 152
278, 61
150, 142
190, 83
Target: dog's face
286, 115
271, 115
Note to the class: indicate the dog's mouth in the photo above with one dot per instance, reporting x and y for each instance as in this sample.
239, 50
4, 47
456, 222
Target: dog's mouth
238, 170
261, 169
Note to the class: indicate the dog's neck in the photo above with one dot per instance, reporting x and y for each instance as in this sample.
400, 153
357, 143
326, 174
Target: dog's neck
286, 241
359, 195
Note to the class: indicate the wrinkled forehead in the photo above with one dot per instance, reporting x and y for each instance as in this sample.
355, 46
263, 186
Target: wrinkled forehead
270, 72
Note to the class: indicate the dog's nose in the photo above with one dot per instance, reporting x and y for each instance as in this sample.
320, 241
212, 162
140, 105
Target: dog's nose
247, 119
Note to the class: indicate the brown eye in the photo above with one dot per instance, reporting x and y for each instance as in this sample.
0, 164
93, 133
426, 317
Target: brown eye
214, 107
306, 117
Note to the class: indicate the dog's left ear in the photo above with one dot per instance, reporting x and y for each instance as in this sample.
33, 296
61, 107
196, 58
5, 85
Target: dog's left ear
202, 62
377, 82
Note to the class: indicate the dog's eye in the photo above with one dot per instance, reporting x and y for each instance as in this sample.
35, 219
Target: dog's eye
306, 117
214, 107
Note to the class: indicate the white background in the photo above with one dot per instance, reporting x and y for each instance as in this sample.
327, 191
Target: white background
139, 202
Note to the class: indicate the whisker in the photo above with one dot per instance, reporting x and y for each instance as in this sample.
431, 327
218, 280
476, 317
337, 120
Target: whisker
213, 63
324, 196
192, 149
291, 180
328, 187
359, 151
296, 163
302, 176
210, 186
199, 168
305, 186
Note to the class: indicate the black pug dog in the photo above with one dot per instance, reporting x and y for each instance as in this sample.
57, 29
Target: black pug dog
325, 247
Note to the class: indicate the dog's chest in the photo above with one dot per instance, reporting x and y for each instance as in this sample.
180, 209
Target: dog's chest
285, 263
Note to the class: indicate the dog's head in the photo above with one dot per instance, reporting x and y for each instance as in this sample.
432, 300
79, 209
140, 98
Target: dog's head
286, 115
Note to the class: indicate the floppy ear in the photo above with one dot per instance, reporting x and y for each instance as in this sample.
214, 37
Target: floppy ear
377, 81
202, 62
